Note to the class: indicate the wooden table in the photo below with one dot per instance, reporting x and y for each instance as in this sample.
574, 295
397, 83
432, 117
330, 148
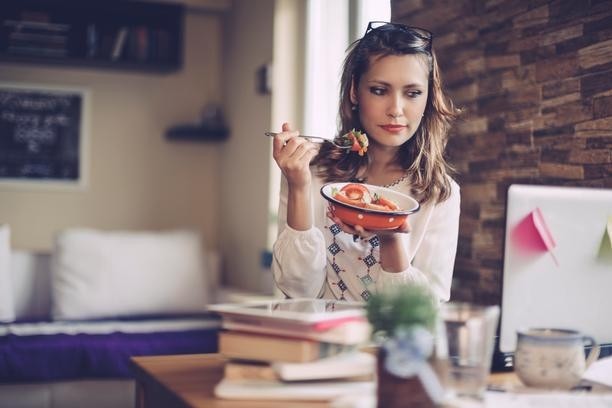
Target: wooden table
189, 381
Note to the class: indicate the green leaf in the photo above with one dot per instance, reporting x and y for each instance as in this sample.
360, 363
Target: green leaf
402, 306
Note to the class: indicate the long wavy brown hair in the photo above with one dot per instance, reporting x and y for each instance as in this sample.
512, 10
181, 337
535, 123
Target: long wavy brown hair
422, 156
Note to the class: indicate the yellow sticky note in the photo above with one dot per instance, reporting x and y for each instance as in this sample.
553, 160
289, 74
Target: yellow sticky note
605, 248
609, 229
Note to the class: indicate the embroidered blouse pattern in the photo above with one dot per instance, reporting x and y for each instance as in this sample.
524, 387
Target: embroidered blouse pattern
351, 270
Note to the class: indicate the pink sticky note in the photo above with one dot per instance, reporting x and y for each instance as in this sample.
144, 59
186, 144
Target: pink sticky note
532, 234
526, 237
544, 232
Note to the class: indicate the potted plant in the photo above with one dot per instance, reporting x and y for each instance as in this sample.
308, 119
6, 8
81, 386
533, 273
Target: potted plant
404, 320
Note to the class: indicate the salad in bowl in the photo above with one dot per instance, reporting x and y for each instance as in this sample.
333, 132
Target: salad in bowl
372, 207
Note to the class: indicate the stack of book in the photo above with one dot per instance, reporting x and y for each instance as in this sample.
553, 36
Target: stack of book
36, 38
298, 349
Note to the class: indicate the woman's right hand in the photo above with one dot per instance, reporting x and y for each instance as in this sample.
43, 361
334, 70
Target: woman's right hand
293, 155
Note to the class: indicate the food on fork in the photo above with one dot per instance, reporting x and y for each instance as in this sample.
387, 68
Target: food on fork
357, 140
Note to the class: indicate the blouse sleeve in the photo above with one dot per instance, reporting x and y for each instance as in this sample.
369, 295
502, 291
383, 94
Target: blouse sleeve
298, 257
434, 258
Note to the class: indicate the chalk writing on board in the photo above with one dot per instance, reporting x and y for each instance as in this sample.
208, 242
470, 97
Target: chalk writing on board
40, 133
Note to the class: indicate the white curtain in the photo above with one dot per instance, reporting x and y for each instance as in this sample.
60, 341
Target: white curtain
328, 35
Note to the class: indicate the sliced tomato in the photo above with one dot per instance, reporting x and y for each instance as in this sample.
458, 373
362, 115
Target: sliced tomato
342, 197
351, 140
356, 147
359, 140
390, 205
356, 191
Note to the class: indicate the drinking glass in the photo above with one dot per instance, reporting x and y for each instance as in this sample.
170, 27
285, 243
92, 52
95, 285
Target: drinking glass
466, 341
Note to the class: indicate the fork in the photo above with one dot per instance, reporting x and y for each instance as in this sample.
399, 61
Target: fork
338, 141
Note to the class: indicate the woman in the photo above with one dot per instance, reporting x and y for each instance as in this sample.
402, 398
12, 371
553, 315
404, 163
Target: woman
391, 90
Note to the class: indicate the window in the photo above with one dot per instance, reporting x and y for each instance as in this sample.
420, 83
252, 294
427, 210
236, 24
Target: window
328, 29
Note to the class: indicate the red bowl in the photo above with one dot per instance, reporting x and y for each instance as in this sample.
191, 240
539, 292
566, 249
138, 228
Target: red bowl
369, 218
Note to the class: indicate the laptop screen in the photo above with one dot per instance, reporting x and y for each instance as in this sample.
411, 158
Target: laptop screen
557, 262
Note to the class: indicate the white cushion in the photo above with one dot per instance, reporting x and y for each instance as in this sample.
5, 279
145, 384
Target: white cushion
118, 273
31, 274
7, 310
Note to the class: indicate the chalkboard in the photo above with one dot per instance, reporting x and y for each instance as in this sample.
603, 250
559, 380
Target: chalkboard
42, 134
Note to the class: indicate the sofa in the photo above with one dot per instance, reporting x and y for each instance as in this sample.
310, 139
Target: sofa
70, 319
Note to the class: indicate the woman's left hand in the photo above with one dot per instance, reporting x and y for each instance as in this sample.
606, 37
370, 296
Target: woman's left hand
358, 230
393, 254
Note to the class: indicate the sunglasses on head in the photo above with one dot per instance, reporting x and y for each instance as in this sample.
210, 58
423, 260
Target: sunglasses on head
421, 33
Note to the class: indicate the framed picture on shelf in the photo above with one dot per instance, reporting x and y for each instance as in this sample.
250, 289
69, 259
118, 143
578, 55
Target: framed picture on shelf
44, 133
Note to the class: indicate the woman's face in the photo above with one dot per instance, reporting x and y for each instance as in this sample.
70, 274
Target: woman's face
392, 96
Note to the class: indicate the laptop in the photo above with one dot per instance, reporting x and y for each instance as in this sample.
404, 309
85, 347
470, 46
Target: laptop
557, 265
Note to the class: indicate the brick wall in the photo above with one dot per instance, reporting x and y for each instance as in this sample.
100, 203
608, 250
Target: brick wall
534, 79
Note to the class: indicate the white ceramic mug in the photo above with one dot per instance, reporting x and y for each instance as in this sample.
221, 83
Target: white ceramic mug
552, 358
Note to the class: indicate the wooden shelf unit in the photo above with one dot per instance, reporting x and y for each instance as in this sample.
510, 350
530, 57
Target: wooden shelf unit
116, 34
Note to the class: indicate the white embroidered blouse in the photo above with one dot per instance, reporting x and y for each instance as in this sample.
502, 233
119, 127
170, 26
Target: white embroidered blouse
324, 261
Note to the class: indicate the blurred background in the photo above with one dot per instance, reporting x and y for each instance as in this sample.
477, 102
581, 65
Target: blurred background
179, 94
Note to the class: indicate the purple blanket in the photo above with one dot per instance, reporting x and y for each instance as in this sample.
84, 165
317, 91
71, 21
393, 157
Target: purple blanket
66, 356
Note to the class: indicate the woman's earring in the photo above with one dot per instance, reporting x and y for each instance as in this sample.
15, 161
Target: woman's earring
354, 108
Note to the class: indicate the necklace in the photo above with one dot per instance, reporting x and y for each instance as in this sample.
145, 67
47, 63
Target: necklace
393, 183
397, 181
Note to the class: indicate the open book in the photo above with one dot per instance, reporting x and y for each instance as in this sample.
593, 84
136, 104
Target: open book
315, 319
318, 314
